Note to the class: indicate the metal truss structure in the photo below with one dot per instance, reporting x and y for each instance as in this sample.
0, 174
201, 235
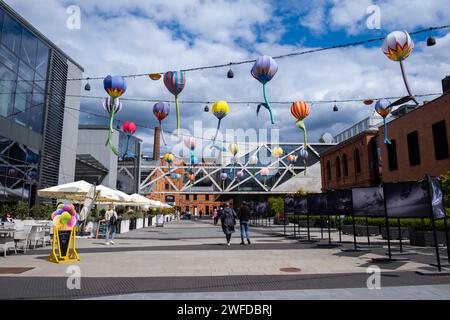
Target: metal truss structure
208, 177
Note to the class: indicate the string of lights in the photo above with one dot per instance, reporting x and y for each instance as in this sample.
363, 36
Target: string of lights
223, 65
104, 116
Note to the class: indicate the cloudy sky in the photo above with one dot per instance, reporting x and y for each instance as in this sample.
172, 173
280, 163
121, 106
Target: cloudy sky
137, 36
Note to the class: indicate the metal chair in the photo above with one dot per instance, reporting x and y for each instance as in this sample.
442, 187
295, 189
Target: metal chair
7, 243
36, 235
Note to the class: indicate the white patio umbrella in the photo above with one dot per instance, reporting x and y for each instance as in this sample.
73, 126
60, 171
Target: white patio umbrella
140, 200
72, 191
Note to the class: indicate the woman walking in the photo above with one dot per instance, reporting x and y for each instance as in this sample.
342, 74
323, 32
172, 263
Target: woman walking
228, 220
215, 216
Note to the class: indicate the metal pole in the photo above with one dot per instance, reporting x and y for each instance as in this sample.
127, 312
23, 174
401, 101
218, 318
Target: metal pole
340, 231
367, 231
307, 226
354, 233
329, 230
321, 227
446, 236
387, 227
400, 235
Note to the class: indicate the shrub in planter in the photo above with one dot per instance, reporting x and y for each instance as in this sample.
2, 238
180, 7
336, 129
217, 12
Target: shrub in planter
21, 211
41, 212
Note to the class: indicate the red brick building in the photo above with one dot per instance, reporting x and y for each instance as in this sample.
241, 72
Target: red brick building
202, 203
419, 143
419, 147
353, 162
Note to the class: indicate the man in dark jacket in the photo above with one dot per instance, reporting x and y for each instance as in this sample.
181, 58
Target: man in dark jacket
228, 220
244, 217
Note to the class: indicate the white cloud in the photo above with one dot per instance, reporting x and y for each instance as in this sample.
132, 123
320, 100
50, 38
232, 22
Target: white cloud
122, 37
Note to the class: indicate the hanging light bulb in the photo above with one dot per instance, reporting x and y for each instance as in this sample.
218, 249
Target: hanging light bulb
335, 108
206, 109
87, 87
230, 73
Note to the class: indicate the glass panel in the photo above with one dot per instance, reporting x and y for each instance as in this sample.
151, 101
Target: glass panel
6, 91
42, 59
2, 14
28, 48
25, 72
9, 59
12, 32
36, 120
22, 102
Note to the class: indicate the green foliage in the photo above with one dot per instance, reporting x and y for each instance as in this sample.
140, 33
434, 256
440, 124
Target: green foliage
300, 192
276, 204
21, 211
41, 212
445, 181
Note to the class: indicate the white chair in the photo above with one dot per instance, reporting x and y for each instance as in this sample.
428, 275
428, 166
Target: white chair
48, 232
7, 243
21, 238
35, 236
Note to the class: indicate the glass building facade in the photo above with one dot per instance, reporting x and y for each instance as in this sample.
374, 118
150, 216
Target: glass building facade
128, 168
31, 108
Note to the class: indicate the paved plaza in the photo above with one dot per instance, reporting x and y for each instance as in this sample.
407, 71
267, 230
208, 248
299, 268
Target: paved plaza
190, 260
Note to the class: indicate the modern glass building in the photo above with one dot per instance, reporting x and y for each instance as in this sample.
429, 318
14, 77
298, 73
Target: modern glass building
129, 163
38, 122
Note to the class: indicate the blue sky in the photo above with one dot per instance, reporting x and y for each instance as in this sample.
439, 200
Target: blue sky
131, 36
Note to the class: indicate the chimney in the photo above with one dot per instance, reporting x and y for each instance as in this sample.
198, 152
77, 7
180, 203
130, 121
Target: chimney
157, 144
446, 85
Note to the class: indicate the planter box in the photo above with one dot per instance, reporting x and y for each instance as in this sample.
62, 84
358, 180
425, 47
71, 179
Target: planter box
124, 226
361, 230
139, 223
426, 238
393, 233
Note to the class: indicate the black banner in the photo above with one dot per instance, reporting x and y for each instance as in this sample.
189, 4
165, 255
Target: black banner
368, 202
339, 202
407, 199
317, 204
289, 205
301, 205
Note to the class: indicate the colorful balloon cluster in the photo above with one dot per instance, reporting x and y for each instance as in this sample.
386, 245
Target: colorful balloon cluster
65, 217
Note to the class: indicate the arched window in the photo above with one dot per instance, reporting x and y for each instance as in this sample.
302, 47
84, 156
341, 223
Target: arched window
357, 158
329, 170
345, 164
338, 167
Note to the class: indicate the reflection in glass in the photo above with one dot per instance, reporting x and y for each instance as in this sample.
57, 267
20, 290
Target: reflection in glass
28, 48
11, 34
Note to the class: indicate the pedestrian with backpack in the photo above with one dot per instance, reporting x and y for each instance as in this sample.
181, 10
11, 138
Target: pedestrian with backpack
110, 222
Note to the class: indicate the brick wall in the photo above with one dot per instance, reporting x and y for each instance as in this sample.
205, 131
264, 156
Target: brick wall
420, 120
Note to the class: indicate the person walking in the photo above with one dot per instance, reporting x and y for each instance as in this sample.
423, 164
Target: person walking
244, 217
215, 216
110, 222
228, 220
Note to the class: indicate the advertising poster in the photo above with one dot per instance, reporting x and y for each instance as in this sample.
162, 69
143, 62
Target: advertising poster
289, 205
317, 204
301, 205
262, 209
368, 202
437, 198
339, 202
407, 199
